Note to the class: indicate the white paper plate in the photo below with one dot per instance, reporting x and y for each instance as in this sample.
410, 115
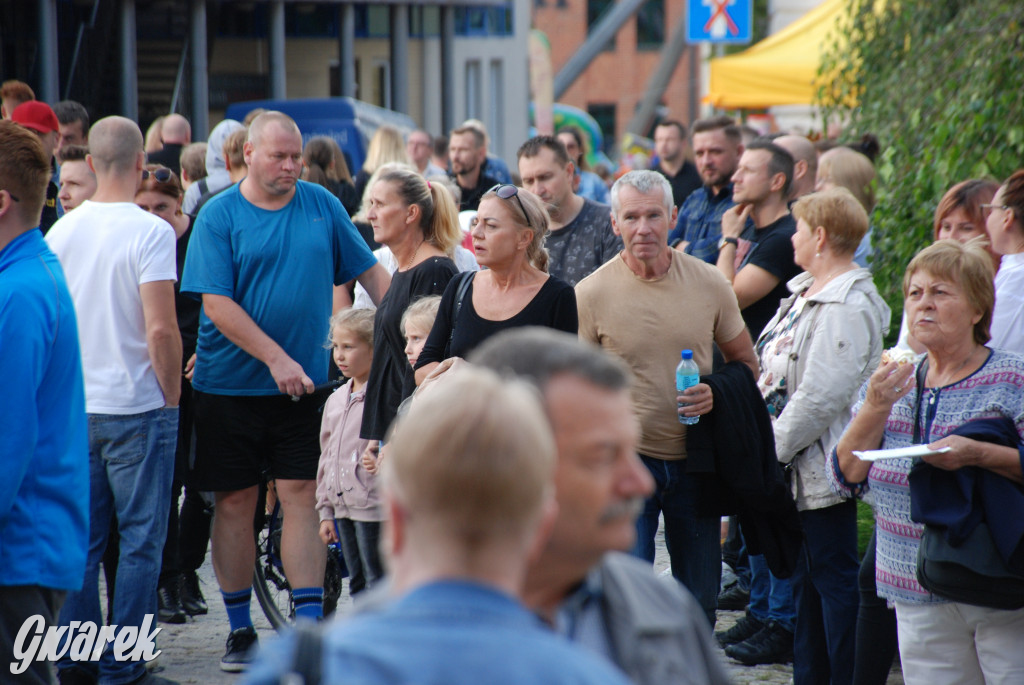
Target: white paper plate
899, 453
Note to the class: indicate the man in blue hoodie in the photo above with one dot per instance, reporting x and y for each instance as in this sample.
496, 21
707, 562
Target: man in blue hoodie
43, 444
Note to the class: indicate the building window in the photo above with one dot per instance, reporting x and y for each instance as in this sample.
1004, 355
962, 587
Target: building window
382, 82
604, 115
372, 21
496, 104
473, 83
595, 11
484, 21
650, 25
424, 22
306, 20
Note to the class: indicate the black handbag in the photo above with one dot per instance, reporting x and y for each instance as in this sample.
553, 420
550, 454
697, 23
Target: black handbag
973, 572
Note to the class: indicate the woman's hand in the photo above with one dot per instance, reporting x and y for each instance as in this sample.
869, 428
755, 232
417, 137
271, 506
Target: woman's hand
439, 373
327, 533
190, 367
999, 459
889, 382
698, 398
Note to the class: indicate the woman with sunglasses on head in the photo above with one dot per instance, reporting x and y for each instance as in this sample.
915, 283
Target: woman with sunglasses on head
513, 290
178, 589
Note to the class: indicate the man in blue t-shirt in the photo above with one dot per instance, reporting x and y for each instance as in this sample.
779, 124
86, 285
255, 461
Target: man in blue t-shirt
264, 256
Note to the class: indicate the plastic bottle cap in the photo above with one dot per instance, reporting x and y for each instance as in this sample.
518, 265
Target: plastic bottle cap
686, 354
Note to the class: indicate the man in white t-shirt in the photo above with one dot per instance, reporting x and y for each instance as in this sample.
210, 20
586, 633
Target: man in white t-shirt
120, 264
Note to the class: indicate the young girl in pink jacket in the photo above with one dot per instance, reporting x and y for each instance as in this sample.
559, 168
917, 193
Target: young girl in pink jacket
347, 496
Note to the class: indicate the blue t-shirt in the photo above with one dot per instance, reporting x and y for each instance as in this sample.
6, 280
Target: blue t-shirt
279, 266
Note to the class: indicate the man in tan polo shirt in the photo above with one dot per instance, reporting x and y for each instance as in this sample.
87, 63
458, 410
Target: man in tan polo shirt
645, 306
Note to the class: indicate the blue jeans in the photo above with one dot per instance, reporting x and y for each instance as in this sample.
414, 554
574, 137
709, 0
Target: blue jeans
692, 541
131, 463
771, 598
360, 547
827, 596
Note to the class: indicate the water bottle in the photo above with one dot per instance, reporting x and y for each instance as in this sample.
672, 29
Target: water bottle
687, 375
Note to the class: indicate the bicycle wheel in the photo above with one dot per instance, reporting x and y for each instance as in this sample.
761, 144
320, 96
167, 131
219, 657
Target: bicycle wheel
272, 589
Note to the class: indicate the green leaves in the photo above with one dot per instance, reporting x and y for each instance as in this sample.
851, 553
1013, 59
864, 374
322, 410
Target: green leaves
941, 83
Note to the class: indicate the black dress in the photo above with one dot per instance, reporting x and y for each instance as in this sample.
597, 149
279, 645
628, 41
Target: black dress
391, 378
553, 306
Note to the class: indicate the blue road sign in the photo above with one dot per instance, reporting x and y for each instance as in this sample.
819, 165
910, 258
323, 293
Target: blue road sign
719, 21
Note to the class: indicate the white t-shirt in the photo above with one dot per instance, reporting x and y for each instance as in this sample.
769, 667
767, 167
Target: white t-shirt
107, 251
1008, 315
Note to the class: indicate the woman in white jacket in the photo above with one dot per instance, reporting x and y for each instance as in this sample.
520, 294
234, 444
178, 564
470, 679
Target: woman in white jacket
815, 354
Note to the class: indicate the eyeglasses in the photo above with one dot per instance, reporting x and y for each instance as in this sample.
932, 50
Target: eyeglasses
163, 174
990, 207
13, 196
507, 190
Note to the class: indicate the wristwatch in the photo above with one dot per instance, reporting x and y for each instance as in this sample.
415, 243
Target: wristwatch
724, 240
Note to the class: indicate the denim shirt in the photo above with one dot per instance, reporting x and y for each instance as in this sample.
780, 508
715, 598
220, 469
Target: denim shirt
700, 222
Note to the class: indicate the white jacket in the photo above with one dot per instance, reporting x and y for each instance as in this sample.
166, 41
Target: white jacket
837, 344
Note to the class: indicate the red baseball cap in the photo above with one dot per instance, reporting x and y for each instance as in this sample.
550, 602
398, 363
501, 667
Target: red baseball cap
36, 115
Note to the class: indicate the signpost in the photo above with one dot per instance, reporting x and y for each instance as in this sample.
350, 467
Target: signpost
719, 21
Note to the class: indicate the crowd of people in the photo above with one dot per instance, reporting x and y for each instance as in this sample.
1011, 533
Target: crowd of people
461, 375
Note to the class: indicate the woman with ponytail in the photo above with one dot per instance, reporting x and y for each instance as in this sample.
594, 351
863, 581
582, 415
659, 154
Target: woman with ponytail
514, 290
418, 221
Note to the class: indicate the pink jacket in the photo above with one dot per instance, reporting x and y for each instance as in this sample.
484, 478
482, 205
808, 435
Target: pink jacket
344, 489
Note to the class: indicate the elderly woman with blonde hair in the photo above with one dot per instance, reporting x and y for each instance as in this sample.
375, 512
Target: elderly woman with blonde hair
958, 392
821, 346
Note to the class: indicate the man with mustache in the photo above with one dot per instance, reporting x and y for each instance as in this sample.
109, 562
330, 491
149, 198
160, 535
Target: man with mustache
581, 583
717, 147
263, 257
646, 305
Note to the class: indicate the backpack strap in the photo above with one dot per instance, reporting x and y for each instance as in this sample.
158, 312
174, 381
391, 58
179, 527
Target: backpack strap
460, 295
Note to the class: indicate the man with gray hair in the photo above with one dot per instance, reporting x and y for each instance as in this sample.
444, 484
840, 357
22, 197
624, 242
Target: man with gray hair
467, 490
120, 263
644, 306
581, 583
261, 335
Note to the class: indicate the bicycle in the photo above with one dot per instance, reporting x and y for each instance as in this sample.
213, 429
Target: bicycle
269, 582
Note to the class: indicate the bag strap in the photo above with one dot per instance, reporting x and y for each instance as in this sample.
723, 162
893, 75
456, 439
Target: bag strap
460, 295
305, 668
922, 371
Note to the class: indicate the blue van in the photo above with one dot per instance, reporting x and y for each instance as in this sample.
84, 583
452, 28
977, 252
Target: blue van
349, 121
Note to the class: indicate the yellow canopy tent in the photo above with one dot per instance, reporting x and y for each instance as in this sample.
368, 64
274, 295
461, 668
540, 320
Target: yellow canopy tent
781, 69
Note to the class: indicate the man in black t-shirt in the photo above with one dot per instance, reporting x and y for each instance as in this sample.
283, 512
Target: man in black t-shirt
758, 259
581, 237
467, 152
670, 143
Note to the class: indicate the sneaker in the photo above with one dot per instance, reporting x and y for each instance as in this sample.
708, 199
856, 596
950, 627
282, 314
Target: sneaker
745, 628
772, 645
75, 676
734, 598
192, 599
241, 650
169, 609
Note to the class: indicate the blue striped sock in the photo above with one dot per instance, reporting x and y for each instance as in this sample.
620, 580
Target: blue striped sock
309, 602
237, 605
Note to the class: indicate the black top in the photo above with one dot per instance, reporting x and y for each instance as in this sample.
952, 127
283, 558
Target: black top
169, 156
683, 183
553, 306
391, 378
187, 307
471, 196
770, 248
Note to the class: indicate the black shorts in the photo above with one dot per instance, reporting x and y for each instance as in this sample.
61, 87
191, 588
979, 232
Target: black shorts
239, 438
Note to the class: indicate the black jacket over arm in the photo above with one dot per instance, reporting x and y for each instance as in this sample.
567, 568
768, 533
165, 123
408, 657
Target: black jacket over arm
734, 447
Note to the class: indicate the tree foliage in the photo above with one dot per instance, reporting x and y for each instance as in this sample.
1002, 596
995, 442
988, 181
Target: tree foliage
940, 83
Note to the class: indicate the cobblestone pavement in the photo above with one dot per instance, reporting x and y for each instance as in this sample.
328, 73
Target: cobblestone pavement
192, 652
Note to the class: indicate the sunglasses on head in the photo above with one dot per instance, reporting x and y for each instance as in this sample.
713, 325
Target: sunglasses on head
163, 174
507, 190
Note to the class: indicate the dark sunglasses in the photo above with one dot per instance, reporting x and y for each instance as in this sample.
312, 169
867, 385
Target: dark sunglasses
163, 174
507, 190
